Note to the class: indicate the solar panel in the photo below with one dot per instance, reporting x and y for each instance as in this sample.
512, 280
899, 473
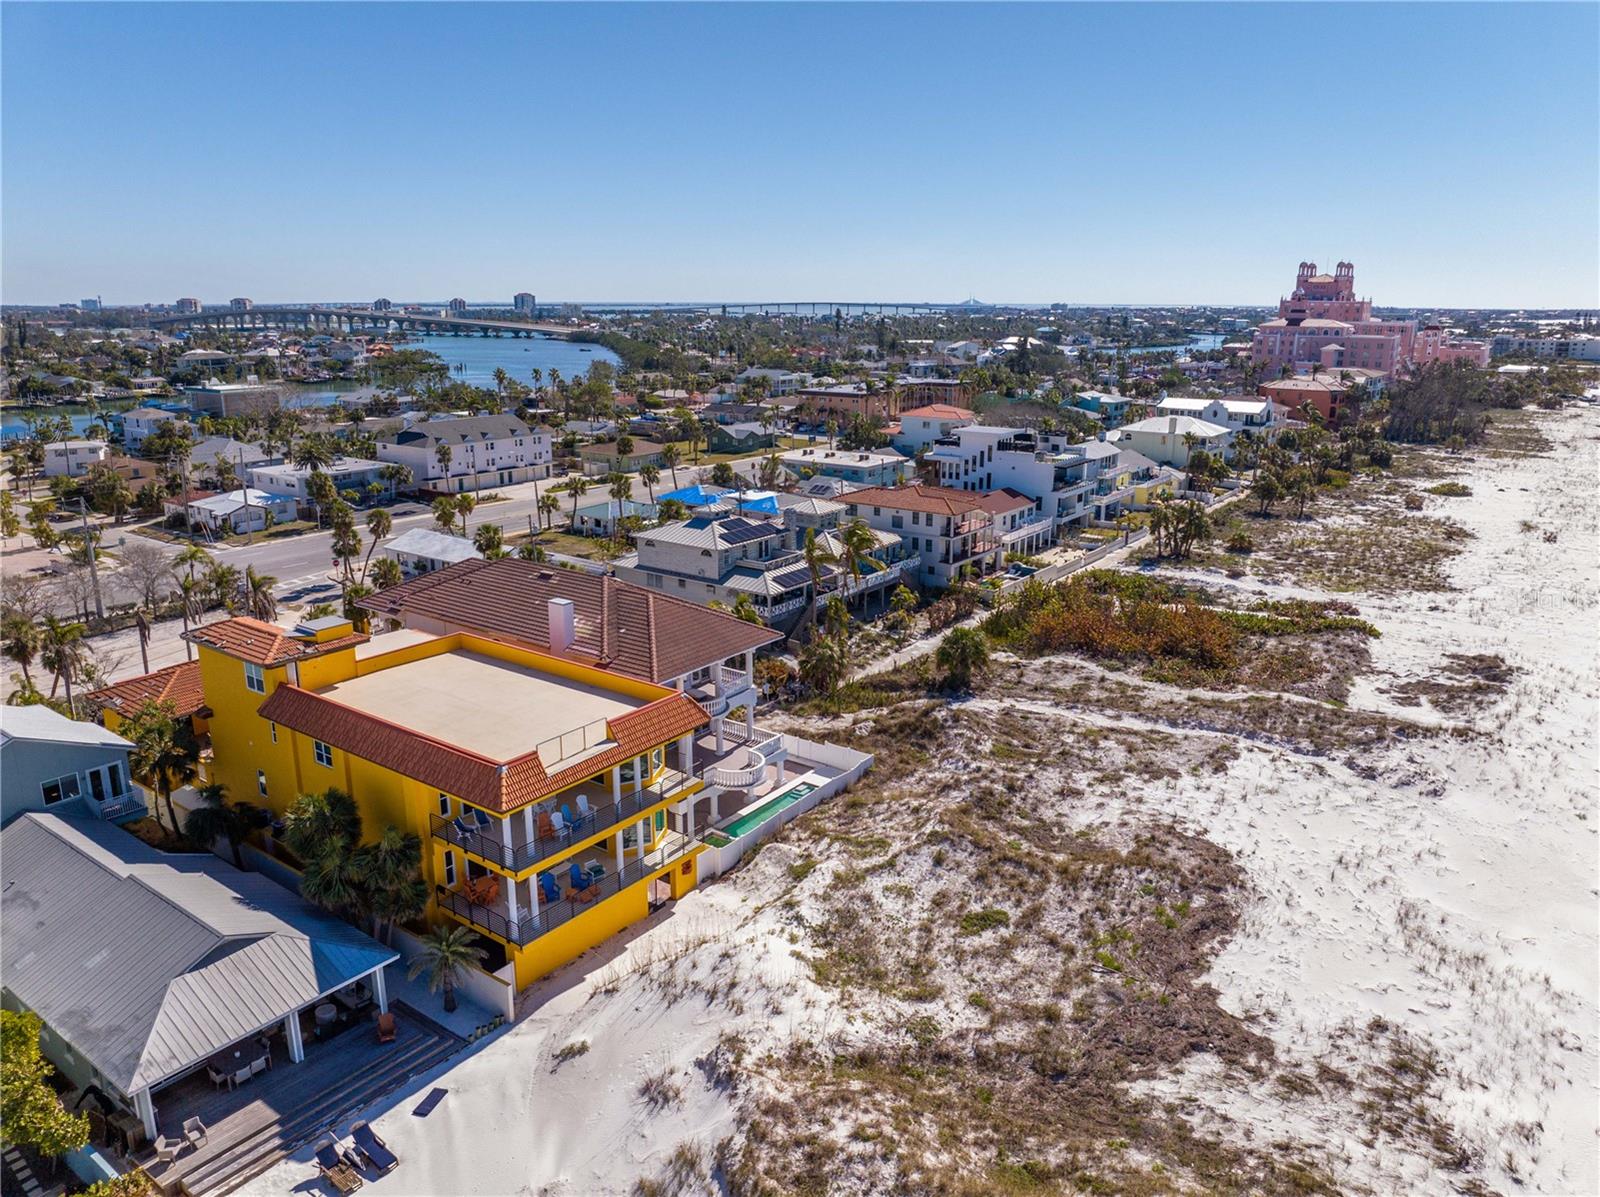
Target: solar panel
790, 578
738, 531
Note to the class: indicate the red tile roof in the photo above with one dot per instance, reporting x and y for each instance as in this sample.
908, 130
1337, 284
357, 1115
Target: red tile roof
941, 500
997, 502
478, 779
177, 684
620, 626
265, 644
937, 411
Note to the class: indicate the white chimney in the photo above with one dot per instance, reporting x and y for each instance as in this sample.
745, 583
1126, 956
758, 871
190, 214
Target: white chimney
1172, 424
563, 619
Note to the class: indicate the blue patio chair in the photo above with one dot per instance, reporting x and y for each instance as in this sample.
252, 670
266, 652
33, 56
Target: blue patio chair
566, 814
576, 877
481, 818
548, 888
463, 828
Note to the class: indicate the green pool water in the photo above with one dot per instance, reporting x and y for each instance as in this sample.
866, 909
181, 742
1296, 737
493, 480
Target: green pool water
760, 814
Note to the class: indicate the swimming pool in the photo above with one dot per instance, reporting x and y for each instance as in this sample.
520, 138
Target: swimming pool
754, 818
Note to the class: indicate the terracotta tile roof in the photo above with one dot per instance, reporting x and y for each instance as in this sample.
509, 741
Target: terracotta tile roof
484, 782
177, 684
997, 502
941, 500
936, 411
265, 644
620, 626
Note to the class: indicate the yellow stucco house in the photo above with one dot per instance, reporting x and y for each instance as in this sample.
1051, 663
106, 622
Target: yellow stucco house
554, 798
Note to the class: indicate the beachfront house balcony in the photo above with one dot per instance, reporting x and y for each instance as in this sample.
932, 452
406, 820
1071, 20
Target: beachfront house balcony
560, 826
520, 911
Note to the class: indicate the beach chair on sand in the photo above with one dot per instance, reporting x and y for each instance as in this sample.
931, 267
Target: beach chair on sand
374, 1148
335, 1169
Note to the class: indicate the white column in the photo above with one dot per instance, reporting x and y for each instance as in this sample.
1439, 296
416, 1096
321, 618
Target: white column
505, 838
749, 722
527, 823
616, 785
638, 772
533, 896
688, 818
511, 905
716, 805
380, 990
147, 1113
644, 835
617, 841
750, 668
716, 726
291, 1032
686, 753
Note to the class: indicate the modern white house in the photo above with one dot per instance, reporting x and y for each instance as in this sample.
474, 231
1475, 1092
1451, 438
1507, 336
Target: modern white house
1170, 439
948, 531
348, 473
921, 426
1248, 413
484, 451
861, 467
73, 459
1055, 472
423, 550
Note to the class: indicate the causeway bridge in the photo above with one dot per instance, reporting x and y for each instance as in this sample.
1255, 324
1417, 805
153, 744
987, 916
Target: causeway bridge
350, 320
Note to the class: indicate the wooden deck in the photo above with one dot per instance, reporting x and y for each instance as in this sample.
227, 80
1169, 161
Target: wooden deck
275, 1112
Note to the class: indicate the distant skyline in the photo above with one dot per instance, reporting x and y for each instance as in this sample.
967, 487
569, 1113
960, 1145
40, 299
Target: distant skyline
1131, 154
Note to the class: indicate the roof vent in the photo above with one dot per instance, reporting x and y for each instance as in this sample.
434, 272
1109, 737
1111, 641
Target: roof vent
562, 616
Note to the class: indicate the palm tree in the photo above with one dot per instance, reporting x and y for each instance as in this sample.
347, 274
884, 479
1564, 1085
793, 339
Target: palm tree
444, 513
190, 607
392, 871
314, 452
192, 557
222, 584
443, 454
19, 639
857, 544
650, 475
836, 618
464, 505
220, 819
964, 653
549, 504
577, 486
489, 540
387, 573
672, 456
447, 952
141, 624
823, 664
817, 555
317, 819
63, 652
335, 879
165, 754
259, 601
379, 523
621, 491
744, 608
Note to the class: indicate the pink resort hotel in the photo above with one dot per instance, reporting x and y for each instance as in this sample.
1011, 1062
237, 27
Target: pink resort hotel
1323, 326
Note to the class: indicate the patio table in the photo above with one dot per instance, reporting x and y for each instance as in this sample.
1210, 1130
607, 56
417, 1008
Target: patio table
232, 1061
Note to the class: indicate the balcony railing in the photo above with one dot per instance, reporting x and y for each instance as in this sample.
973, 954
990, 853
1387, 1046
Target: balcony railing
553, 914
123, 804
600, 818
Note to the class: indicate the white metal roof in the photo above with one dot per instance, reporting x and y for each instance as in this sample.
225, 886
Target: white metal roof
40, 723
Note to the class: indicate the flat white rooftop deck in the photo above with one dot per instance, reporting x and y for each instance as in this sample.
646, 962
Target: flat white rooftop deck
496, 708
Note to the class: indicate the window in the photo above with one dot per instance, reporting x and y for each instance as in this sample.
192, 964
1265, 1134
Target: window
449, 867
273, 728
323, 753
261, 783
254, 679
114, 776
444, 805
60, 789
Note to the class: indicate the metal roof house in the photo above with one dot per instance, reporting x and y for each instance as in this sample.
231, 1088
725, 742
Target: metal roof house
143, 964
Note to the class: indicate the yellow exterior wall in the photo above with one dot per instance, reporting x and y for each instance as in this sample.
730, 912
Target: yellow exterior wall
244, 742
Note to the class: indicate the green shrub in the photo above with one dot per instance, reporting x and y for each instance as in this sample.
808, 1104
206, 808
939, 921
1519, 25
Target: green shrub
976, 922
1451, 490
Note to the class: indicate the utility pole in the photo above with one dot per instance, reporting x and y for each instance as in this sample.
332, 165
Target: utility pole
88, 548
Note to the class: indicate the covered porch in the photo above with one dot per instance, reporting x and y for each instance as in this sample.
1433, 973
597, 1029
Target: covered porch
250, 1126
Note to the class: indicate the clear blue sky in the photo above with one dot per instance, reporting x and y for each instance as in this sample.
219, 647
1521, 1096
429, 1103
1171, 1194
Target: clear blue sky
1094, 153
